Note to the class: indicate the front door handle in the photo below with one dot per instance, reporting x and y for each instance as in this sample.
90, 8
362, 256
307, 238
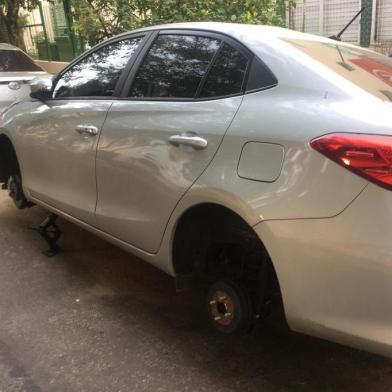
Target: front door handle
189, 139
87, 130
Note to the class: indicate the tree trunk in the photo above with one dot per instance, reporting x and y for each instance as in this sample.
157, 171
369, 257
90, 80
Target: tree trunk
10, 19
15, 35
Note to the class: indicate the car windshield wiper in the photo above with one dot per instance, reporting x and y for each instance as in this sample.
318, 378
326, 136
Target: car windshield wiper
343, 63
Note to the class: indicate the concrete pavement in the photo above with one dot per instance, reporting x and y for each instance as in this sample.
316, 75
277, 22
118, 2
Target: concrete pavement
96, 319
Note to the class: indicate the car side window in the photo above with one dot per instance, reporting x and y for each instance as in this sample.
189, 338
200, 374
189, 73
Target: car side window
97, 74
227, 74
174, 66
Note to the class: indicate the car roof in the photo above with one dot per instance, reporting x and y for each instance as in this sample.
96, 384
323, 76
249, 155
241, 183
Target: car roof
5, 46
248, 34
263, 32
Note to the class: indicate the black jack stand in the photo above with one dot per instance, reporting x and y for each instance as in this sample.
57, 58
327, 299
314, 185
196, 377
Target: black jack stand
50, 232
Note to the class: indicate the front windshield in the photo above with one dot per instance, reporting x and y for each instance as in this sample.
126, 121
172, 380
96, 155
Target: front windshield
369, 70
16, 61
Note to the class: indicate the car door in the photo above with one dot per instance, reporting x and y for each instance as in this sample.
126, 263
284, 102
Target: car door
63, 133
162, 134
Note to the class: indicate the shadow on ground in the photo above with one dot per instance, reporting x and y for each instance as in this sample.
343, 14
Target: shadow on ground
96, 319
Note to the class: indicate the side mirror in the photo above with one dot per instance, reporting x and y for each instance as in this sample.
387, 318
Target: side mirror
41, 88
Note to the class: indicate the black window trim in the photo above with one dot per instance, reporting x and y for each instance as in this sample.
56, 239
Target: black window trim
123, 76
224, 38
257, 89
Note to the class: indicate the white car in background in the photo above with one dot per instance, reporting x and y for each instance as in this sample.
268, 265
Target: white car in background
16, 70
232, 155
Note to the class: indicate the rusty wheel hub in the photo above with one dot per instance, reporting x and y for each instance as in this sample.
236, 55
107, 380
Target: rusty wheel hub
222, 308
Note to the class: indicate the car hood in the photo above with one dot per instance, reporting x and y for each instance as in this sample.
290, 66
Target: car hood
17, 76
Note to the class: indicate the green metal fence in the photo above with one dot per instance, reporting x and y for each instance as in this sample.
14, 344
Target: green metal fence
52, 38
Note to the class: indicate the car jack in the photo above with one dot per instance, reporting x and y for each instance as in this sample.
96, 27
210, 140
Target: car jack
50, 232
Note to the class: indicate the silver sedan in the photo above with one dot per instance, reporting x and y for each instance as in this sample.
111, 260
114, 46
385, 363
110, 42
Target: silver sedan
252, 160
16, 70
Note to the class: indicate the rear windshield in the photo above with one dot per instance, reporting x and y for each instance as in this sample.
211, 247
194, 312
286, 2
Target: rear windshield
16, 61
368, 70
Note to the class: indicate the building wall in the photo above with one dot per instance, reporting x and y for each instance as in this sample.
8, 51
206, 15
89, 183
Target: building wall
52, 67
337, 14
306, 17
328, 17
383, 30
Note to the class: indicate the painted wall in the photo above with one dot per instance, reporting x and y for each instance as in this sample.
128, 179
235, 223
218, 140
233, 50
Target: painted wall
52, 67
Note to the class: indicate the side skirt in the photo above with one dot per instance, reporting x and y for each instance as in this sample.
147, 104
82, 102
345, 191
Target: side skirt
148, 257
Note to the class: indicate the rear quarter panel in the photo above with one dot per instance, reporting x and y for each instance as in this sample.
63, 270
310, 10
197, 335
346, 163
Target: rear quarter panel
309, 186
310, 100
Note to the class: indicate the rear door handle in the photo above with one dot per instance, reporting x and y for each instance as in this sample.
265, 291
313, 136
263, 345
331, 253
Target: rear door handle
87, 130
189, 139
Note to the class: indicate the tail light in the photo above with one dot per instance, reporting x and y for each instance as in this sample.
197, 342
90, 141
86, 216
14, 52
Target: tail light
369, 156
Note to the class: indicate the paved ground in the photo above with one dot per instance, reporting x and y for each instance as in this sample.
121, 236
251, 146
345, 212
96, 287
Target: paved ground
96, 319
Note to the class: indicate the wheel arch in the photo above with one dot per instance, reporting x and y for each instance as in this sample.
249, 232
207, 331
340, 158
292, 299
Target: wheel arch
9, 163
204, 234
198, 197
196, 224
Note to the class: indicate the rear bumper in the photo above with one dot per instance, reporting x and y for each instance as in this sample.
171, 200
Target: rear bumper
336, 273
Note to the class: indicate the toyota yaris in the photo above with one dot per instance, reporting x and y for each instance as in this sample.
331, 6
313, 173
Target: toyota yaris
245, 158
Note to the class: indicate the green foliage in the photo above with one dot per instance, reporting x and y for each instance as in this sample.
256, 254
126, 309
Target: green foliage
95, 20
39, 37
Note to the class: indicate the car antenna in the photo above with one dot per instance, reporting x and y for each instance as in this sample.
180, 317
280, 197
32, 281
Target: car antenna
337, 37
